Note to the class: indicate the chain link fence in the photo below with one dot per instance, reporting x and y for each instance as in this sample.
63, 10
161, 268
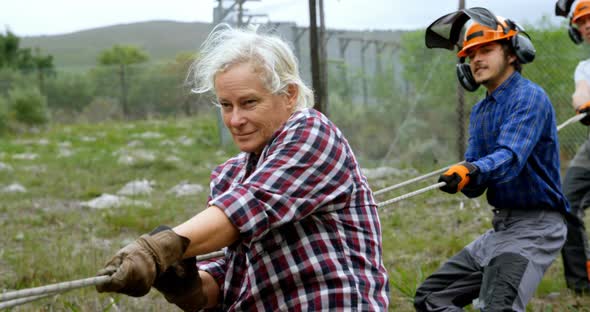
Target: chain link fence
399, 107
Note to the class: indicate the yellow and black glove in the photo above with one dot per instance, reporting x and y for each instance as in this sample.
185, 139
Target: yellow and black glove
585, 108
134, 268
457, 177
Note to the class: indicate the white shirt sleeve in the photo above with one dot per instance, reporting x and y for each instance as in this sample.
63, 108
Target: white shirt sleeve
582, 71
581, 94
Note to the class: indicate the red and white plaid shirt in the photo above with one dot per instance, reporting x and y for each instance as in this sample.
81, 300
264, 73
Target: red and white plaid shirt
310, 237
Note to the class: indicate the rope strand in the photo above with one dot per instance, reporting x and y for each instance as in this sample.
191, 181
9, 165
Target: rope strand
411, 194
54, 288
578, 117
31, 294
16, 302
416, 179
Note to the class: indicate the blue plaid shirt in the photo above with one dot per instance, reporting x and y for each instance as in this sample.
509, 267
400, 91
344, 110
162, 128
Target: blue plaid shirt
513, 141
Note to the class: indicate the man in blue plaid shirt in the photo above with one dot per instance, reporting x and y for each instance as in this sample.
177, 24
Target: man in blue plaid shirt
295, 216
513, 153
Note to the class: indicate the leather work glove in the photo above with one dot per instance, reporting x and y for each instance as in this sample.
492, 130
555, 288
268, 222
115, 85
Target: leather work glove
457, 177
134, 268
182, 286
585, 108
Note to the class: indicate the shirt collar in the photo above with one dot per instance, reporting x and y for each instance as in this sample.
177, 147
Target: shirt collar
501, 92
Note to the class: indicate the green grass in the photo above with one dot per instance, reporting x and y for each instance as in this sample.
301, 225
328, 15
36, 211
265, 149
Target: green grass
48, 237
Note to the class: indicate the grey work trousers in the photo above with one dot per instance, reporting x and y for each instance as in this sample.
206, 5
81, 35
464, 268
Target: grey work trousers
501, 269
576, 252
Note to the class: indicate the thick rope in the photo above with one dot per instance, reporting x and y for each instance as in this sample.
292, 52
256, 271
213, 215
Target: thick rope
576, 118
16, 302
416, 179
44, 291
411, 194
54, 288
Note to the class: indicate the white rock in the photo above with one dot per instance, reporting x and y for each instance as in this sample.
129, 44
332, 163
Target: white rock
25, 141
173, 159
103, 201
186, 141
87, 139
149, 135
35, 168
25, 156
131, 157
167, 142
137, 187
5, 167
135, 143
14, 188
186, 189
126, 160
65, 153
110, 201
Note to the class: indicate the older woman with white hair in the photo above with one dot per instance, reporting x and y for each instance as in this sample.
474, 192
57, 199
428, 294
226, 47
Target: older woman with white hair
295, 216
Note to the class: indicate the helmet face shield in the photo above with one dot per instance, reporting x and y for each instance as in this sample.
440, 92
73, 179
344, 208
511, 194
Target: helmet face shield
470, 28
448, 31
563, 7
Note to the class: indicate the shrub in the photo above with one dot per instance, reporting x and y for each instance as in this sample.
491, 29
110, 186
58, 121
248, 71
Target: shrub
69, 92
102, 109
28, 106
3, 115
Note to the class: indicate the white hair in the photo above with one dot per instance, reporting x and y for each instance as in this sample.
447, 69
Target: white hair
226, 46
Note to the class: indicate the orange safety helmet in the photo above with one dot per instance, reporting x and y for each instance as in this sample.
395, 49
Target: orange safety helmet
478, 34
582, 9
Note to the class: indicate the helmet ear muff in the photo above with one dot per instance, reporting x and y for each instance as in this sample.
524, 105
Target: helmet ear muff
466, 77
523, 48
574, 34
522, 44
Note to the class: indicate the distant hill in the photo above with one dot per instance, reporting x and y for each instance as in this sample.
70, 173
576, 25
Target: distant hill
161, 39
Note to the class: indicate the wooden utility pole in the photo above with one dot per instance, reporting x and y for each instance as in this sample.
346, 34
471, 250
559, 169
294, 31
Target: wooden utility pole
315, 55
323, 59
240, 13
461, 110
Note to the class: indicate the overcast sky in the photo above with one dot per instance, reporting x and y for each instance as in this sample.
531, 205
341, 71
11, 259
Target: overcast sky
47, 17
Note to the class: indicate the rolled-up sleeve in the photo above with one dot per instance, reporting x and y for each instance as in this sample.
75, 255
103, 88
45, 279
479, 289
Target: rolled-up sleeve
215, 267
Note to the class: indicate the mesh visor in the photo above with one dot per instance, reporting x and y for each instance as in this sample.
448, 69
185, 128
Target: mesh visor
446, 32
563, 7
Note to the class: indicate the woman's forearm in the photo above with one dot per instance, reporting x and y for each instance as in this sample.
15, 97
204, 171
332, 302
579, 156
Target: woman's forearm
210, 288
208, 231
